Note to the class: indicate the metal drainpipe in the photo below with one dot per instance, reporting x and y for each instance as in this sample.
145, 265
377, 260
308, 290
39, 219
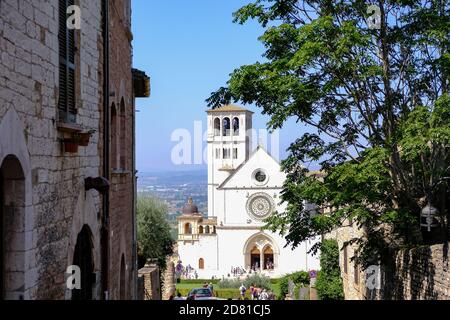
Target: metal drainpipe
106, 134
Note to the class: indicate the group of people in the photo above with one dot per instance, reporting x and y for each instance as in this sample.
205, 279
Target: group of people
187, 272
238, 271
256, 293
269, 265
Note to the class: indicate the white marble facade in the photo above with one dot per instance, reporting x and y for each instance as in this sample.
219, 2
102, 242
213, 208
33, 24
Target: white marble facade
244, 187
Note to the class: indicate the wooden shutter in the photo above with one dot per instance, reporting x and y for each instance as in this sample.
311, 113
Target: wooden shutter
66, 38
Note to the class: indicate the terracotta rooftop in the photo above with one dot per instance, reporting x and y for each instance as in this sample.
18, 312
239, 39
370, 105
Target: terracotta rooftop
229, 108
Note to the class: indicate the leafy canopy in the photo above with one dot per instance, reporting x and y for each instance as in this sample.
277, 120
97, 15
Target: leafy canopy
376, 105
153, 230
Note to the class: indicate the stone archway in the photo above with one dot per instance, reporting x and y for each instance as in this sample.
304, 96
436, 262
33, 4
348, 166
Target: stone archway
16, 209
85, 215
12, 229
83, 258
258, 250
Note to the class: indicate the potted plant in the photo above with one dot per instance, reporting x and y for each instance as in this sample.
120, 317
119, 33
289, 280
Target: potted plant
85, 137
71, 145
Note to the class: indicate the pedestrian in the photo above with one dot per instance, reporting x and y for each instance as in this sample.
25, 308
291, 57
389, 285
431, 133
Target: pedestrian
252, 291
211, 288
242, 290
264, 295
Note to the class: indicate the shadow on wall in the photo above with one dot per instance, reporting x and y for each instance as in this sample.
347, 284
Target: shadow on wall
416, 274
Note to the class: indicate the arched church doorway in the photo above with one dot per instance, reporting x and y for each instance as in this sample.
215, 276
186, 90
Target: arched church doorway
255, 258
268, 258
12, 229
82, 258
261, 252
122, 279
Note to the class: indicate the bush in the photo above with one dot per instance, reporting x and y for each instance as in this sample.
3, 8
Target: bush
229, 284
329, 282
257, 280
153, 231
200, 282
300, 279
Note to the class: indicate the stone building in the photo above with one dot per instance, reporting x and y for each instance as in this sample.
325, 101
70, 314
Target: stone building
67, 175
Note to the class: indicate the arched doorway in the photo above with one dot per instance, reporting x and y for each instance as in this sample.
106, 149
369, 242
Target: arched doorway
268, 258
261, 252
122, 279
82, 258
255, 258
200, 230
201, 264
12, 229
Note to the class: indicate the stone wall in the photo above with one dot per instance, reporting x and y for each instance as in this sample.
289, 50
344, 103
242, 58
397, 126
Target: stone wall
414, 274
169, 279
152, 283
53, 203
353, 290
418, 274
56, 203
121, 161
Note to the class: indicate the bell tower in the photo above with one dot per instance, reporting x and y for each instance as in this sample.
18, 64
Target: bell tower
229, 145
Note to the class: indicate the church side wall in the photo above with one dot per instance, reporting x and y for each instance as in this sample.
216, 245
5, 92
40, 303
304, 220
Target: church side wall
191, 252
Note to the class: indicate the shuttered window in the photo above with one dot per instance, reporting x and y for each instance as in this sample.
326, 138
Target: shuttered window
66, 37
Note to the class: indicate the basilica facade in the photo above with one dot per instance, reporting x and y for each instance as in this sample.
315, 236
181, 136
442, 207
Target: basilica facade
244, 187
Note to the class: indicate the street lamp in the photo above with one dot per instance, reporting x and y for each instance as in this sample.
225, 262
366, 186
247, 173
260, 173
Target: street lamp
428, 217
429, 213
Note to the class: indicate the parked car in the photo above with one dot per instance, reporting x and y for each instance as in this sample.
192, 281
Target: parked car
200, 294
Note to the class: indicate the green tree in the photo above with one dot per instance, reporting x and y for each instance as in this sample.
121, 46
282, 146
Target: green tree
374, 100
300, 279
153, 231
329, 282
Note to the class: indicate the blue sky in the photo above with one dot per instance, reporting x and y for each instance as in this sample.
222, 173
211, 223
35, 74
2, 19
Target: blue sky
188, 48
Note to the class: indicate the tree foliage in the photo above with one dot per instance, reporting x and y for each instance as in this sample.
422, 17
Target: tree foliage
153, 230
329, 282
376, 105
300, 279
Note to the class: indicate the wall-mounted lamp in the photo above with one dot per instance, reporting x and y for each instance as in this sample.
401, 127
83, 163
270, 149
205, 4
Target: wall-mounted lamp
100, 184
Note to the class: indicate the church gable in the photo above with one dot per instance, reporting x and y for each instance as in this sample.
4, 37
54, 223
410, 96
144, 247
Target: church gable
259, 172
